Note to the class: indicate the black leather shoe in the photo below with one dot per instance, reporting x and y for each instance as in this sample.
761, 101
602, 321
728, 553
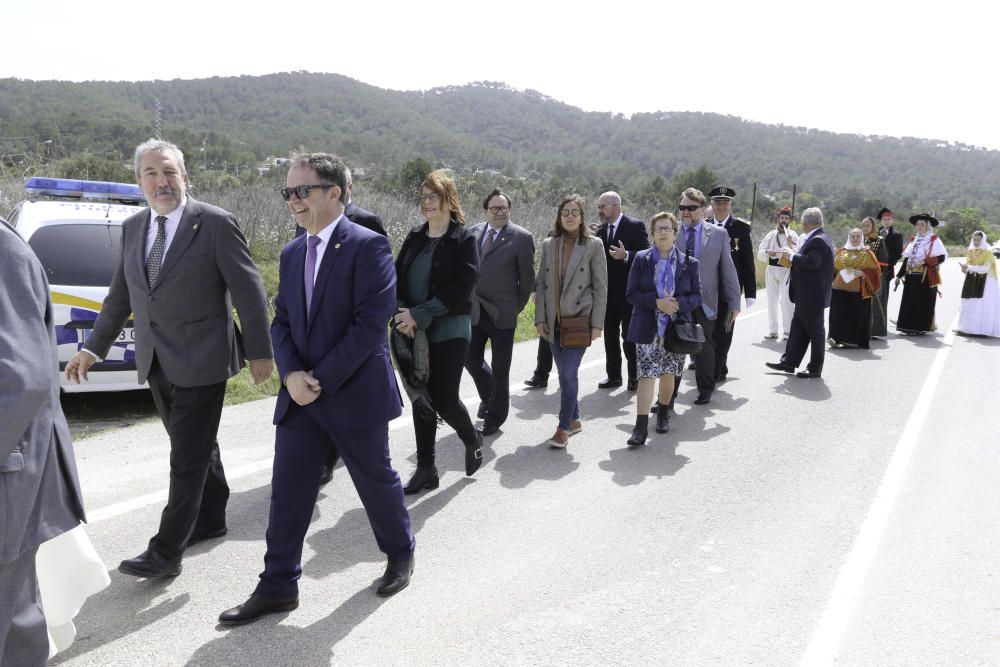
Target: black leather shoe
202, 534
474, 455
150, 565
490, 427
702, 399
396, 577
609, 383
633, 384
639, 435
662, 420
778, 366
537, 382
423, 478
808, 374
256, 607
325, 475
654, 408
722, 378
481, 412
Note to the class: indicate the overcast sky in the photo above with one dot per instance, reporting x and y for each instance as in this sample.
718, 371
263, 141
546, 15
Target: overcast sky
892, 68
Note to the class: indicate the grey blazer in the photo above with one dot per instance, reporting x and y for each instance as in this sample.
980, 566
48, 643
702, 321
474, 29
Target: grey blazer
716, 268
39, 490
187, 318
506, 275
584, 290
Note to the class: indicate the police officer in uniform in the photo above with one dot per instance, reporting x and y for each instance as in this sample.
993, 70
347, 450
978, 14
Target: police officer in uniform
742, 249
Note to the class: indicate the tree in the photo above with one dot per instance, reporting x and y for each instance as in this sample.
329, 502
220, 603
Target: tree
413, 174
959, 224
701, 178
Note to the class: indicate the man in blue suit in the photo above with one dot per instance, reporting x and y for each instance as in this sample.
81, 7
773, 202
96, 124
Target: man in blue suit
336, 294
811, 283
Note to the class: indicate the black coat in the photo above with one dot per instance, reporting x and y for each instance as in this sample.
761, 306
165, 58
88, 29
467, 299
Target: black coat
742, 250
358, 216
893, 246
454, 267
633, 235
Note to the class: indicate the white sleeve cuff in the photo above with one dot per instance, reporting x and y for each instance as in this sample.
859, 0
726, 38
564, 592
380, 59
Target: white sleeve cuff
96, 358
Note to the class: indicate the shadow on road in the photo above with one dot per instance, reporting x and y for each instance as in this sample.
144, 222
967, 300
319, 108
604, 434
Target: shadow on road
124, 609
266, 642
535, 462
807, 389
654, 460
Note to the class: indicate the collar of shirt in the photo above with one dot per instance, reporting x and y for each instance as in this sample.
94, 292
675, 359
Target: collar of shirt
489, 230
808, 235
170, 228
614, 225
721, 223
324, 236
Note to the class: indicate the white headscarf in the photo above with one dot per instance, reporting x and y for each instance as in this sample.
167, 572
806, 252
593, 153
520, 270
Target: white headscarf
972, 241
850, 246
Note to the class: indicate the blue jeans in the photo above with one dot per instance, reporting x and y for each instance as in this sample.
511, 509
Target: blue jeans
568, 362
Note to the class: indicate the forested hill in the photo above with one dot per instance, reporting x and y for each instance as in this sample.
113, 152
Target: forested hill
242, 120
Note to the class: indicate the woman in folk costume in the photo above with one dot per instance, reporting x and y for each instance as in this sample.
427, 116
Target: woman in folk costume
776, 273
921, 259
979, 312
875, 243
856, 282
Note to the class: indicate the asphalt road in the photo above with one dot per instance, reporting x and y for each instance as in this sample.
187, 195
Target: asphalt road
851, 520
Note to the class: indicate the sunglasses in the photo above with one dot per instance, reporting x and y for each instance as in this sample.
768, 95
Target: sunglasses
302, 191
689, 207
567, 212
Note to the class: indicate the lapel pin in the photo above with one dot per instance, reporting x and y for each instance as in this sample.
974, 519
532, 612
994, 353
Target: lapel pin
337, 246
194, 226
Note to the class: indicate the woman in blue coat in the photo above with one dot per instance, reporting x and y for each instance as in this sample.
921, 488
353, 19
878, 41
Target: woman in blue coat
663, 284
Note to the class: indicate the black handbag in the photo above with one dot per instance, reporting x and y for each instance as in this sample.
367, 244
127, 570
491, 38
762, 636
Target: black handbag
683, 337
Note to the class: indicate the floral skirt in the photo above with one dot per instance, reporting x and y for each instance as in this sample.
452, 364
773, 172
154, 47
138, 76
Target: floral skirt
652, 360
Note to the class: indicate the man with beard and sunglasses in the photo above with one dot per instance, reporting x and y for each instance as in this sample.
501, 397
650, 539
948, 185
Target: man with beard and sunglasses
184, 265
720, 287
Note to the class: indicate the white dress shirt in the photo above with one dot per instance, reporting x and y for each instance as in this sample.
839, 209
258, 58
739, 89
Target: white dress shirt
324, 241
173, 220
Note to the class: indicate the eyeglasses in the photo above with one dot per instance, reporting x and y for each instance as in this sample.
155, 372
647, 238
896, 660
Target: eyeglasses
601, 207
661, 228
689, 207
567, 212
430, 197
499, 209
302, 191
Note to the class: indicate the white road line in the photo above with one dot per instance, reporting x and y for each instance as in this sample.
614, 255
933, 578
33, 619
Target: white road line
160, 497
825, 642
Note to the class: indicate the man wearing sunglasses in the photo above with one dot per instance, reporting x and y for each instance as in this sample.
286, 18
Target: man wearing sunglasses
506, 281
358, 216
622, 237
336, 293
184, 265
720, 287
742, 252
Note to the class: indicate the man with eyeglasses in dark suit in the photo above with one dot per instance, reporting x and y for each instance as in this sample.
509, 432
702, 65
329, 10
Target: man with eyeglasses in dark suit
506, 281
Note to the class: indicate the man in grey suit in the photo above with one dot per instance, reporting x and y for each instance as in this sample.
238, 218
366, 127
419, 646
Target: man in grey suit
181, 260
719, 283
506, 280
39, 491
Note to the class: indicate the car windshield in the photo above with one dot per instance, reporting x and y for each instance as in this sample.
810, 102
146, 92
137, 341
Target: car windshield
78, 253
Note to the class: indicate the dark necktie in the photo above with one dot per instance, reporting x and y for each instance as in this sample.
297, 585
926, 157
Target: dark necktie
155, 259
690, 241
310, 272
491, 237
611, 234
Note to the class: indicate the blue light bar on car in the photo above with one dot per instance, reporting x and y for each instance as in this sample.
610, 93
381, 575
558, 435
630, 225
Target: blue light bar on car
68, 188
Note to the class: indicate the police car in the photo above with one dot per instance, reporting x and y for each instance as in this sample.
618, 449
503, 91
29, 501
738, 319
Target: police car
75, 229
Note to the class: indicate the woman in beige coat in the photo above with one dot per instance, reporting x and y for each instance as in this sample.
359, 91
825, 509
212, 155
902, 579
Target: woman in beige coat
574, 261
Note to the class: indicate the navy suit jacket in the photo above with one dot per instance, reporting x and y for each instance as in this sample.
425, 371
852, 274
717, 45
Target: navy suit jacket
343, 339
641, 293
811, 280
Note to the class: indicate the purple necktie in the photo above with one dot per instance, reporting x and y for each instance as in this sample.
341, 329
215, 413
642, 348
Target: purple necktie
690, 241
310, 272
